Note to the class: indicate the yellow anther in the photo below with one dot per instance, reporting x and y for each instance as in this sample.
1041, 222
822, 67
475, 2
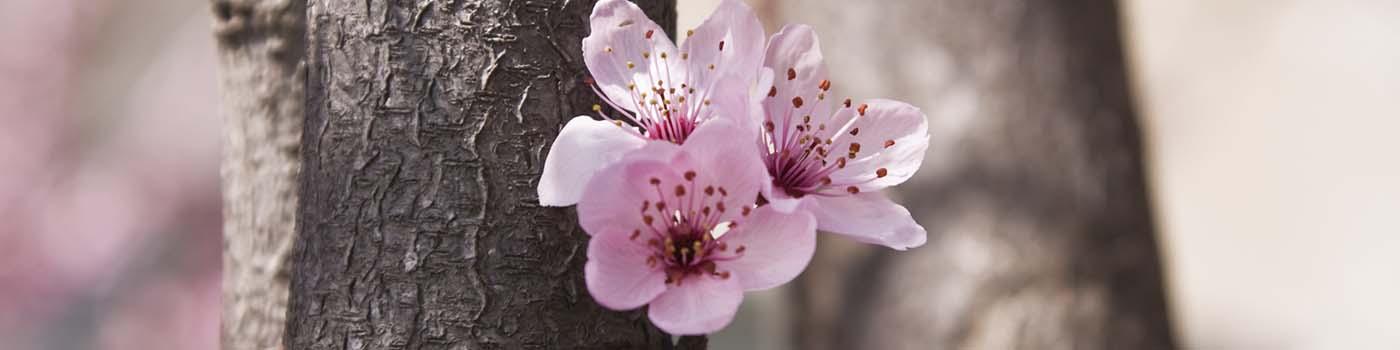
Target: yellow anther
597, 108
630, 65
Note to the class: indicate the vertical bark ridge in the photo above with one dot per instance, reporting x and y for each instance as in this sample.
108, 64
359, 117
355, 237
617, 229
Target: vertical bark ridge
261, 44
426, 127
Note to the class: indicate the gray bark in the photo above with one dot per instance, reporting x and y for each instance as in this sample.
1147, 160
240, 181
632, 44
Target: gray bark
260, 48
426, 127
1041, 235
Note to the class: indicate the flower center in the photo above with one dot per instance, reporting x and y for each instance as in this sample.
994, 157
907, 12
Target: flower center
682, 235
802, 157
665, 110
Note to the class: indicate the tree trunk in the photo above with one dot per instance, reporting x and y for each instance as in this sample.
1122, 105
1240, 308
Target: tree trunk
261, 46
427, 123
1041, 235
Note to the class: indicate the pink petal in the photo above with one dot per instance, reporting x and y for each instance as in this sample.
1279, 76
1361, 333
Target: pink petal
622, 34
777, 247
617, 272
701, 304
795, 57
724, 157
735, 62
779, 200
892, 136
583, 148
868, 217
612, 201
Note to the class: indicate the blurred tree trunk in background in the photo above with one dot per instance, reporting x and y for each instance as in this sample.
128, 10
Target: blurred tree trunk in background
261, 46
426, 127
1041, 236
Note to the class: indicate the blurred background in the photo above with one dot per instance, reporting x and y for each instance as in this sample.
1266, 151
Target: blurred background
1269, 127
109, 193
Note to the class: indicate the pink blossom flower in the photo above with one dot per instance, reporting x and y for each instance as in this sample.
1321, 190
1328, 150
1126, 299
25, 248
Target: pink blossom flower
663, 93
676, 227
831, 158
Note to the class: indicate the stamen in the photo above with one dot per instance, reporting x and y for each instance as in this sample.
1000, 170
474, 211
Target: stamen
889, 143
862, 109
881, 172
792, 74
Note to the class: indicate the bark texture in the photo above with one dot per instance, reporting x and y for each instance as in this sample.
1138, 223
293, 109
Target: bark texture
261, 46
426, 127
1033, 191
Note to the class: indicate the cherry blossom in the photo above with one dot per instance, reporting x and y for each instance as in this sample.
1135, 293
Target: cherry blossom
830, 158
676, 228
660, 93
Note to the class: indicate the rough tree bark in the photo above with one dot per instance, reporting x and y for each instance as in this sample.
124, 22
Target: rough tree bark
261, 46
1041, 236
426, 126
